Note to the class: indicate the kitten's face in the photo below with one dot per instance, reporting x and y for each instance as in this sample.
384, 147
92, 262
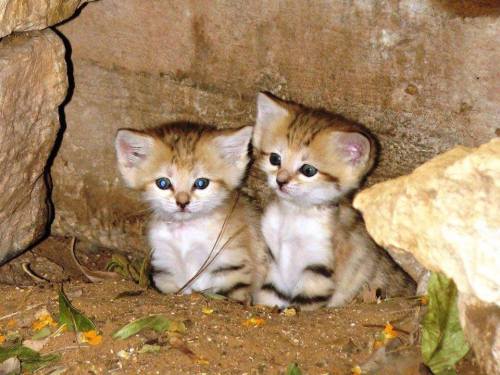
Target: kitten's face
184, 170
309, 157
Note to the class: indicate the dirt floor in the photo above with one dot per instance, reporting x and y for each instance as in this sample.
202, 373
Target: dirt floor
221, 337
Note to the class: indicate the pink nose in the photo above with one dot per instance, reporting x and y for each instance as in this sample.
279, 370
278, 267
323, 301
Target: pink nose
282, 178
182, 200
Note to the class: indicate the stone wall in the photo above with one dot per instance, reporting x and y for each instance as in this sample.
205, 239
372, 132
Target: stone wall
33, 83
423, 76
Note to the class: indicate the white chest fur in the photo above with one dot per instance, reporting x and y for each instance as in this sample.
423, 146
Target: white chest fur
181, 249
297, 237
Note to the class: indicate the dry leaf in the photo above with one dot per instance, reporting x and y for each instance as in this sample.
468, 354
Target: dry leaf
254, 322
356, 370
389, 332
35, 345
2, 339
44, 319
207, 310
289, 311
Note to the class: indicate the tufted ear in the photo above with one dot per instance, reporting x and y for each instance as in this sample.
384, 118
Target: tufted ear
232, 145
353, 148
132, 150
269, 113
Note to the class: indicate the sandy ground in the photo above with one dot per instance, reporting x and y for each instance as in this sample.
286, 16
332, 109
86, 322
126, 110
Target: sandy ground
220, 337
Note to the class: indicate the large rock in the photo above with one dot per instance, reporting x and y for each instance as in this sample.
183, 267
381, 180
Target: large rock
446, 214
421, 75
26, 15
33, 83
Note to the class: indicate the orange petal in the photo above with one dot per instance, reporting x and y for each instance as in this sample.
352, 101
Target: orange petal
254, 322
92, 337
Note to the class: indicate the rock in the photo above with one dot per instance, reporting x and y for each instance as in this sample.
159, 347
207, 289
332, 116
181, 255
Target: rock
33, 83
141, 63
26, 15
445, 214
481, 323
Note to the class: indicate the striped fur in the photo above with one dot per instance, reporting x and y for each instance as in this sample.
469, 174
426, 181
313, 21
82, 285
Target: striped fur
321, 254
187, 220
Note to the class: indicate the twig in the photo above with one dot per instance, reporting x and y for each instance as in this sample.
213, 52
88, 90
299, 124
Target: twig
203, 267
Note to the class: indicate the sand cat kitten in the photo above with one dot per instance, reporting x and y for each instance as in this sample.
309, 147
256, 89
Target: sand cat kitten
190, 174
321, 253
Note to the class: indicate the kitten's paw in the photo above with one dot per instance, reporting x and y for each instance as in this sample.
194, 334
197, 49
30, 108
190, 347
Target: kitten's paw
164, 283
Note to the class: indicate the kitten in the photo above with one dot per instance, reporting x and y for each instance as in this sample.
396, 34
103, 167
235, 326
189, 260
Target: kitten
321, 254
190, 175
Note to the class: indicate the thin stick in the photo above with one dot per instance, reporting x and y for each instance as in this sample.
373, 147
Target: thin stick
219, 236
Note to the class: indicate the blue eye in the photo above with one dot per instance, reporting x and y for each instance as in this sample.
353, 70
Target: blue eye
201, 183
163, 183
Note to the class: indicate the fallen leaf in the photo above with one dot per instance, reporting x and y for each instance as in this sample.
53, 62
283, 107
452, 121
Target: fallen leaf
443, 342
43, 320
71, 317
123, 354
214, 296
10, 366
30, 359
202, 361
158, 323
41, 334
35, 345
147, 348
389, 332
2, 339
207, 310
289, 311
293, 369
254, 322
93, 276
356, 370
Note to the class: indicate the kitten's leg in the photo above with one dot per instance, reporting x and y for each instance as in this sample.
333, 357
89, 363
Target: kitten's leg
232, 277
315, 287
163, 269
270, 294
353, 278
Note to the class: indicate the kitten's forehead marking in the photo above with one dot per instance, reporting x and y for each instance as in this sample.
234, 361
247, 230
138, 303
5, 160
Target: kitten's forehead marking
303, 128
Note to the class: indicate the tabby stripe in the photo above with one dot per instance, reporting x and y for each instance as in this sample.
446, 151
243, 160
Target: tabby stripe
234, 288
270, 253
229, 268
271, 288
319, 270
306, 300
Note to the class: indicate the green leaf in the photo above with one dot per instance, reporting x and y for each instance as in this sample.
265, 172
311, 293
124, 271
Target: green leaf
74, 319
293, 369
158, 323
214, 296
43, 333
443, 341
30, 359
147, 348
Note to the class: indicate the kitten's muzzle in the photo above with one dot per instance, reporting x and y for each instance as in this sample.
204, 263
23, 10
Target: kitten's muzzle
182, 200
283, 178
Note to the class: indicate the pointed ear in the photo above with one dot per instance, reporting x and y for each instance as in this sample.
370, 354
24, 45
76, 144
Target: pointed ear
132, 150
353, 148
269, 112
233, 145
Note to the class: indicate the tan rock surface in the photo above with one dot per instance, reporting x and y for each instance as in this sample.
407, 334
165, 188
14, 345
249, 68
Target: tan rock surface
421, 75
481, 323
27, 15
33, 83
446, 213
